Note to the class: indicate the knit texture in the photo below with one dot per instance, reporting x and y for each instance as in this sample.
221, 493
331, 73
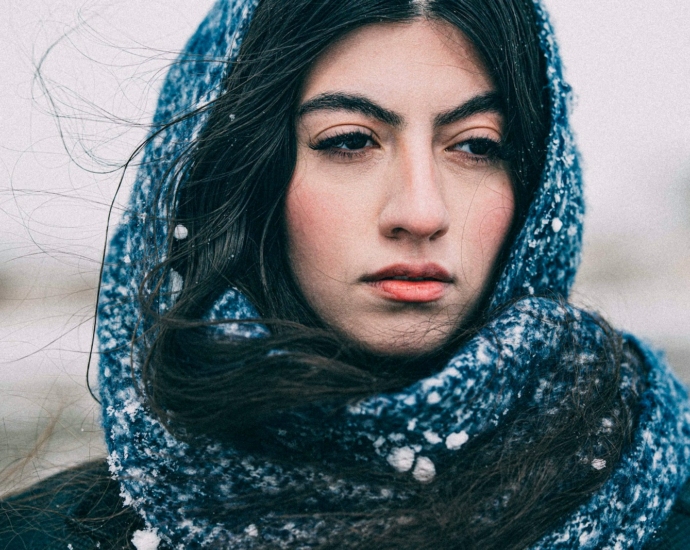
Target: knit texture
415, 432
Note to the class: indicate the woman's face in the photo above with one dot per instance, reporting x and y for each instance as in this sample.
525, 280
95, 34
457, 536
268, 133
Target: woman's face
400, 202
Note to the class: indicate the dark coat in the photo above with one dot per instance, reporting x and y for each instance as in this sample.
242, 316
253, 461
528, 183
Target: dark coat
81, 509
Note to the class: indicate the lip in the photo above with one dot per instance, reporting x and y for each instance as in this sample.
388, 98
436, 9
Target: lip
432, 284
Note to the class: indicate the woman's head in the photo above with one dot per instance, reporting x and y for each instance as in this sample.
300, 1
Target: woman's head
356, 147
435, 194
401, 197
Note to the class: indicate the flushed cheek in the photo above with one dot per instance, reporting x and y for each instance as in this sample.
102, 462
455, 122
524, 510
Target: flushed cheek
494, 227
497, 219
330, 212
488, 224
305, 214
322, 236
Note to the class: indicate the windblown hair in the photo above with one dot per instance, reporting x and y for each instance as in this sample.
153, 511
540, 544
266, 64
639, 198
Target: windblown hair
229, 194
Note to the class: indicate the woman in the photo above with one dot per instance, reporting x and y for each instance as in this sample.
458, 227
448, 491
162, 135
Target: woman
336, 313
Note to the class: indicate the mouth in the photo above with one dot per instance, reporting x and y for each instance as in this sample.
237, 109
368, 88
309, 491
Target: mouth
410, 283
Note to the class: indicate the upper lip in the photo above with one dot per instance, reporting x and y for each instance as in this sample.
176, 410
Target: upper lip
428, 271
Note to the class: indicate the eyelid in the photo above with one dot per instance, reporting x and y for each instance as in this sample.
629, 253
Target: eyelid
452, 134
330, 147
497, 153
342, 130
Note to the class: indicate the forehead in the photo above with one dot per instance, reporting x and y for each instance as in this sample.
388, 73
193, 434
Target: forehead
421, 60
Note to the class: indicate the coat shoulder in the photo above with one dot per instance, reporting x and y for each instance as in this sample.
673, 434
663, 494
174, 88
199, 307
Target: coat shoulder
79, 509
674, 534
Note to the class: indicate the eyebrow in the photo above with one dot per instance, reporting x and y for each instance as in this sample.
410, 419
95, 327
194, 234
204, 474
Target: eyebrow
352, 103
489, 102
483, 103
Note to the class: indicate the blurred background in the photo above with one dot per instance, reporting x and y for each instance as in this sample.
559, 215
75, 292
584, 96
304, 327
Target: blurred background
103, 62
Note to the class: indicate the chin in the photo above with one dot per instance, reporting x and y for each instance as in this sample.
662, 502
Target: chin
412, 342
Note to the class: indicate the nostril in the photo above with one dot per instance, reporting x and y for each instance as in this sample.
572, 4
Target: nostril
440, 233
418, 229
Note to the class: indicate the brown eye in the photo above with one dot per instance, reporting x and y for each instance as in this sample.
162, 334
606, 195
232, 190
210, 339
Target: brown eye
480, 147
355, 141
351, 141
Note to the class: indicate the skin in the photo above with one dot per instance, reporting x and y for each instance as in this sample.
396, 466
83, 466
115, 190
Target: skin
415, 190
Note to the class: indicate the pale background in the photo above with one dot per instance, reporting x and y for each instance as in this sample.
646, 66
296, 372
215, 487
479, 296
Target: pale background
629, 62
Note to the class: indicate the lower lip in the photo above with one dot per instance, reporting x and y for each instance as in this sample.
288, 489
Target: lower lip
411, 291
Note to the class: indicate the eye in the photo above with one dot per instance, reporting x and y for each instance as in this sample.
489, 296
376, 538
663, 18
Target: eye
353, 141
348, 144
482, 148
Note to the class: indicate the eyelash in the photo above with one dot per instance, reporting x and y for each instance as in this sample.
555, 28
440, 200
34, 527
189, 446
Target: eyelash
495, 150
332, 146
329, 145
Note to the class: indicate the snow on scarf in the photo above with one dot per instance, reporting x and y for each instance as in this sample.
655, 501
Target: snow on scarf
410, 432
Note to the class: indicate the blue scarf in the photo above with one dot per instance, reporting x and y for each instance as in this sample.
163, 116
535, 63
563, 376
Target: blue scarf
413, 432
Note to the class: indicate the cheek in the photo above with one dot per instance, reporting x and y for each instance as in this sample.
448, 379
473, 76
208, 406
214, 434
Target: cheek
305, 213
317, 235
496, 221
328, 216
488, 224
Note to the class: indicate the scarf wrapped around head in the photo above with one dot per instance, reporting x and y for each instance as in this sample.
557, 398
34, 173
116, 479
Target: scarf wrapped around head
414, 432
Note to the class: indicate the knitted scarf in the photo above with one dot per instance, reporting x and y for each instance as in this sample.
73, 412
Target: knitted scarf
416, 432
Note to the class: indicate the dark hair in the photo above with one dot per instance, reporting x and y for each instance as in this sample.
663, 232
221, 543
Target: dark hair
230, 196
231, 202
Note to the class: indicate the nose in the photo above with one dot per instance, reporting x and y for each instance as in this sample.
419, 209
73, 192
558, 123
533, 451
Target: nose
415, 208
